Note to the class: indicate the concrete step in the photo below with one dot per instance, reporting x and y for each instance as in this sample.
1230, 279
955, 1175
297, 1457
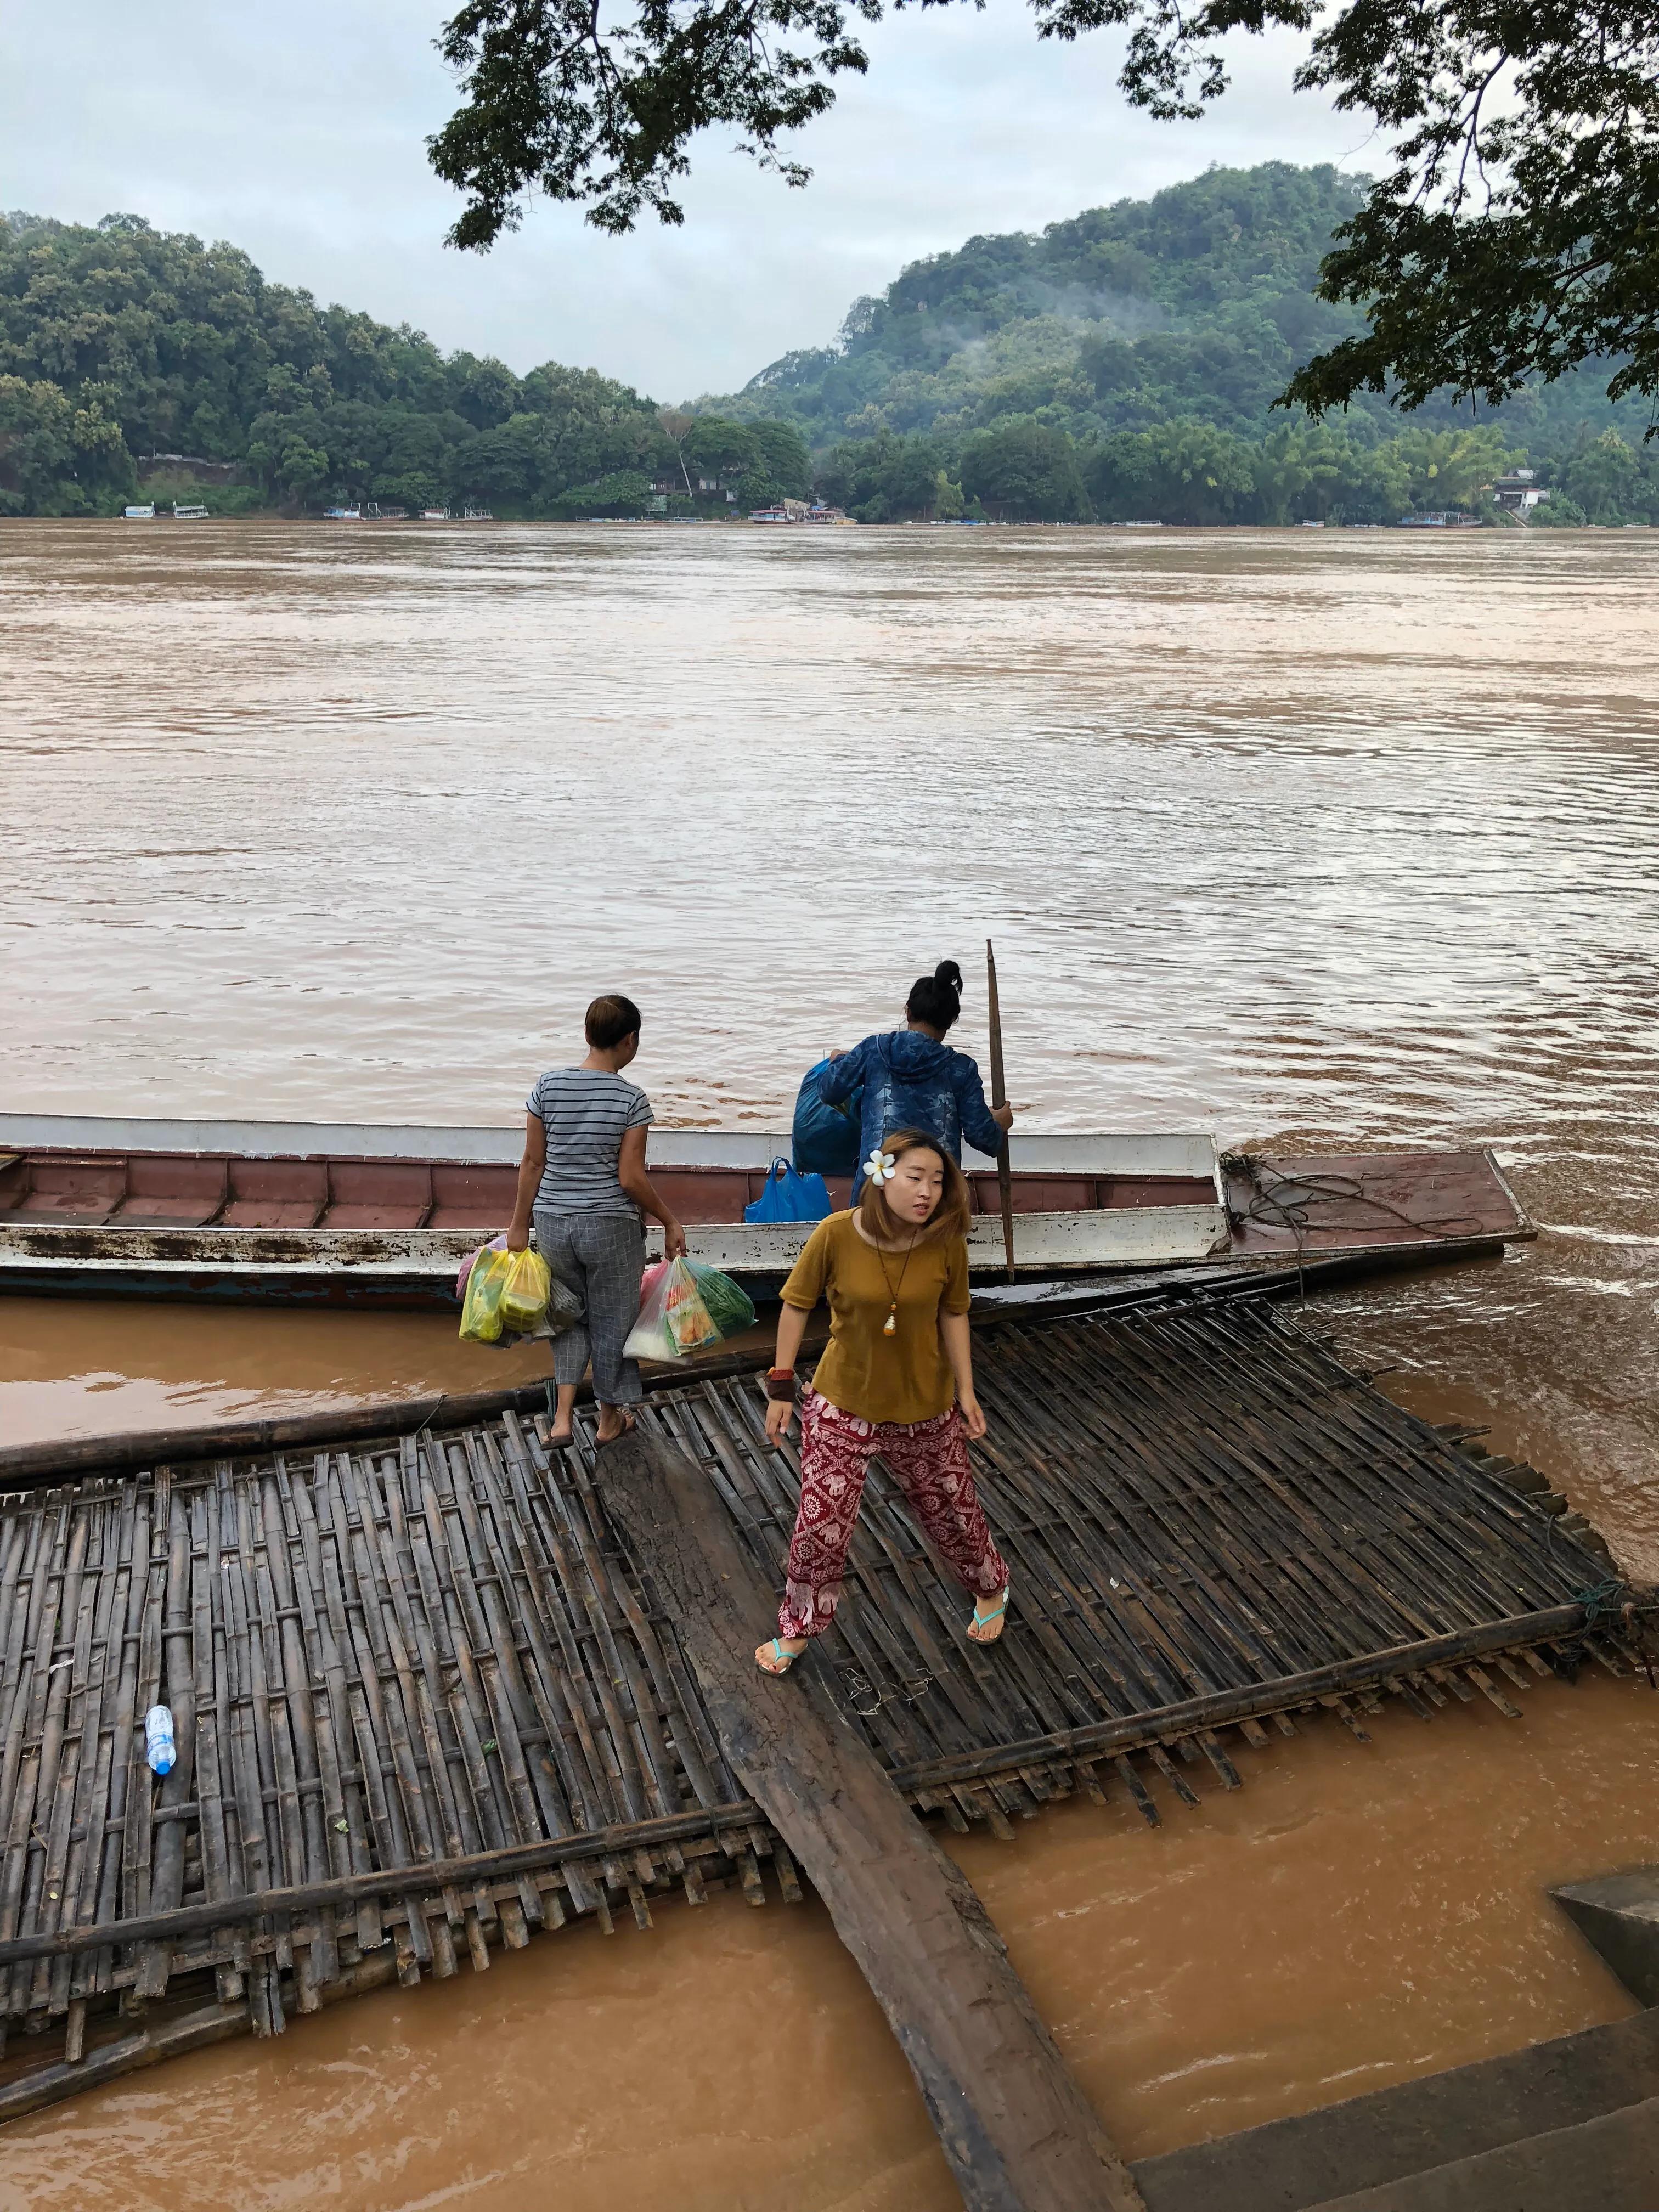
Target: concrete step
1605, 2165
1420, 2129
1619, 1913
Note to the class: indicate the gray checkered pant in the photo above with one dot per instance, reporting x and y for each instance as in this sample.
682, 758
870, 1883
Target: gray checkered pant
599, 1257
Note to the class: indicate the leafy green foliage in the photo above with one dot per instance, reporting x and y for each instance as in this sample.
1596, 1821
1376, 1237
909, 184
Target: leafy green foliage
1182, 472
178, 484
892, 479
1310, 473
1021, 470
1187, 473
123, 342
1194, 473
58, 455
625, 492
1607, 481
1518, 234
604, 117
769, 460
1558, 513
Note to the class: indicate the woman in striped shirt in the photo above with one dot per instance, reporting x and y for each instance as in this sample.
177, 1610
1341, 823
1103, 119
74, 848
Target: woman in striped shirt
583, 1179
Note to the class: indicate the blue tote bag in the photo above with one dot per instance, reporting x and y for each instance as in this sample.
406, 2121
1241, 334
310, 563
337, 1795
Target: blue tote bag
789, 1197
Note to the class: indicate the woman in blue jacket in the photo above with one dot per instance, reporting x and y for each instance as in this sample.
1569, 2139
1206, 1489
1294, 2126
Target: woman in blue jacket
913, 1079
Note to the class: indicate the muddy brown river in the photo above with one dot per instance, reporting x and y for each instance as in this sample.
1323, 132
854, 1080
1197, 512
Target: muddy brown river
1348, 838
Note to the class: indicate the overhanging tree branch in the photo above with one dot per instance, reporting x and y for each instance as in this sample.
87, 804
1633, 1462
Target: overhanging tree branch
1509, 242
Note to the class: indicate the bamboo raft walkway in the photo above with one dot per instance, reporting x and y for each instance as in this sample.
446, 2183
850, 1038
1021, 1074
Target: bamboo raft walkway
424, 1704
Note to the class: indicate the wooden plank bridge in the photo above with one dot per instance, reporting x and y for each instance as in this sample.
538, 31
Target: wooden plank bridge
426, 1702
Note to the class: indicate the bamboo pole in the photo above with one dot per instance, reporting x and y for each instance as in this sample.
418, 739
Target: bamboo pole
1219, 1708
467, 1868
999, 1097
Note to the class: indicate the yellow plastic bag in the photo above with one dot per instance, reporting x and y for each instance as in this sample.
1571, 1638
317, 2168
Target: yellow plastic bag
523, 1299
506, 1291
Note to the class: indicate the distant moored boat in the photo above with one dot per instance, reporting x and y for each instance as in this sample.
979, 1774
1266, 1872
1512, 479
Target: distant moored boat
138, 514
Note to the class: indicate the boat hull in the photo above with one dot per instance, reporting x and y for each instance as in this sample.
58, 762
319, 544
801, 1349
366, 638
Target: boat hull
415, 1270
361, 1218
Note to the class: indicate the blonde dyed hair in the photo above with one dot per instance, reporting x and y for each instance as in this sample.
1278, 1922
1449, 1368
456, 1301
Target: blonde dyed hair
950, 1218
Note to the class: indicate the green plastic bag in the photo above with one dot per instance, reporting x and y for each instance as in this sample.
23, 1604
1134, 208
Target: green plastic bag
684, 1305
730, 1306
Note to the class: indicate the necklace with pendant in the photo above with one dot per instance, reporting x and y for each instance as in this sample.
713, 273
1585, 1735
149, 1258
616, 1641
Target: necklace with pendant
889, 1327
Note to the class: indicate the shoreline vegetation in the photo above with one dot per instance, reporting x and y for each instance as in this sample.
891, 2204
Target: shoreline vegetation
1121, 368
1457, 524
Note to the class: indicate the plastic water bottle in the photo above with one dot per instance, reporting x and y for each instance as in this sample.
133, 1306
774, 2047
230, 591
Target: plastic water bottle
158, 1739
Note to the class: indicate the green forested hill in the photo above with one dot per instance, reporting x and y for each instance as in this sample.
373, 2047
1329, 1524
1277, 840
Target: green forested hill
121, 342
1124, 363
1119, 366
1197, 302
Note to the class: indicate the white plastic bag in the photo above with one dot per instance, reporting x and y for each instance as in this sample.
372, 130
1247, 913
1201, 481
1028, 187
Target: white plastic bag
649, 1338
682, 1307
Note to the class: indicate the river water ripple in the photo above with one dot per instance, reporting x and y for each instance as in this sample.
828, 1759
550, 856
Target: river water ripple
1343, 837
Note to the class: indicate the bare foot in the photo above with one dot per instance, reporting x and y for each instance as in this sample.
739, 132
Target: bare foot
989, 1614
559, 1440
614, 1421
779, 1654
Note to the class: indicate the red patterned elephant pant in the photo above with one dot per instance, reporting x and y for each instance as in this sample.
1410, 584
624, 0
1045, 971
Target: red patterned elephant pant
930, 1459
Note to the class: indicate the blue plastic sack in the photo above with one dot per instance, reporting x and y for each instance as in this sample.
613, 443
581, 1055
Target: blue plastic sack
789, 1197
825, 1139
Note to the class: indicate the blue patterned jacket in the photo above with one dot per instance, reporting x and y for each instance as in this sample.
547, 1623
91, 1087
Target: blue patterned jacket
912, 1082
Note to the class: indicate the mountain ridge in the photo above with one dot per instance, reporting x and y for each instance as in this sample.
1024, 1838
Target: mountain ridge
1205, 307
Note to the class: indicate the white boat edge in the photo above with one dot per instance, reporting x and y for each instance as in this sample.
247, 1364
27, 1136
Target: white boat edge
1103, 1153
1129, 1236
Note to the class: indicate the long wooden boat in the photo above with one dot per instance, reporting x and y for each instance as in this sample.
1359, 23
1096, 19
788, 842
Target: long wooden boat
353, 1216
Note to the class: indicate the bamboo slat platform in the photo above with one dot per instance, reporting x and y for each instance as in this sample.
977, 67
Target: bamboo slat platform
423, 1705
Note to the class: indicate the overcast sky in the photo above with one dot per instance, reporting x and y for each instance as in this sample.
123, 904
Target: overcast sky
297, 133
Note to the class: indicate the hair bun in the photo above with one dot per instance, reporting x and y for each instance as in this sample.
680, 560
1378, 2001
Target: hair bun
935, 1001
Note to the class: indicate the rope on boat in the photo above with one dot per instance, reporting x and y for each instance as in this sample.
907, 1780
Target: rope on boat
1284, 1202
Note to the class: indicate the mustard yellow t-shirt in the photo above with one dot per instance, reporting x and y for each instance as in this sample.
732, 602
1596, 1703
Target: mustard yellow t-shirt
903, 1377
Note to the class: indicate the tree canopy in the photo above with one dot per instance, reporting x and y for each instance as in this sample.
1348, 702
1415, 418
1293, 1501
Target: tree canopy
1515, 235
121, 342
1192, 473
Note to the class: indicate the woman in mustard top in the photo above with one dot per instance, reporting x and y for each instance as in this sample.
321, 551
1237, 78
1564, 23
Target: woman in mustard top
898, 1378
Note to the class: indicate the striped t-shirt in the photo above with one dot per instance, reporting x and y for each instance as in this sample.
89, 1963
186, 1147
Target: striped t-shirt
585, 1111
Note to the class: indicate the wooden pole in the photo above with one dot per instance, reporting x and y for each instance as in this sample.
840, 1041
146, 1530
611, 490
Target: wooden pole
1018, 2132
999, 1097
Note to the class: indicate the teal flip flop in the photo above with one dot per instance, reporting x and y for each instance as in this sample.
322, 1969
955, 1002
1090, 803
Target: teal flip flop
985, 1619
